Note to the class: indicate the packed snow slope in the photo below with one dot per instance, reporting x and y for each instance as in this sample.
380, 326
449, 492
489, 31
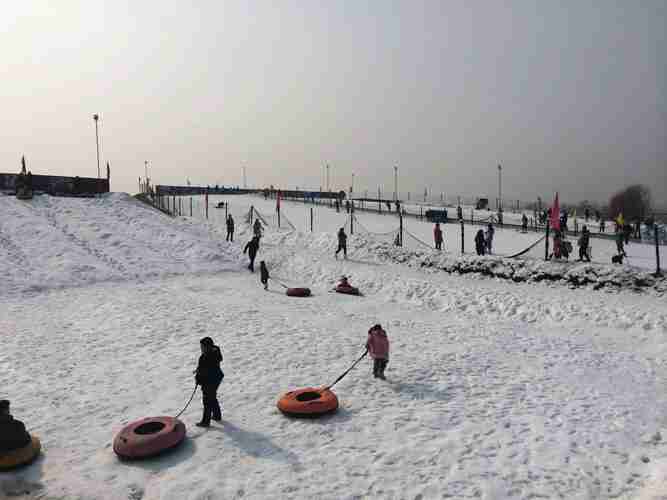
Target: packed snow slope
495, 390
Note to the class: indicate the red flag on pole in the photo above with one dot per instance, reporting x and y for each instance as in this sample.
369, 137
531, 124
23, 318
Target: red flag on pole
278, 202
555, 214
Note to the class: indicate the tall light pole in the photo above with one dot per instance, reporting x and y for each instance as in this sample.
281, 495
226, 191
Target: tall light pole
395, 183
146, 170
328, 189
352, 185
96, 117
245, 185
500, 188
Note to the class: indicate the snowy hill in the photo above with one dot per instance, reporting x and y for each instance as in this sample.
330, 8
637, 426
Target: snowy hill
495, 390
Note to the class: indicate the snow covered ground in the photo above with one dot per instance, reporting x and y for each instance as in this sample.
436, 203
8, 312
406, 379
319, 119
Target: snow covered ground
495, 390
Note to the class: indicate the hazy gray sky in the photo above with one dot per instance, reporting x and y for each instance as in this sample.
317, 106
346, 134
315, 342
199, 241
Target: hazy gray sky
568, 96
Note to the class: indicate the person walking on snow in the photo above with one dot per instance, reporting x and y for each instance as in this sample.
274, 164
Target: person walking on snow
252, 247
480, 244
209, 376
524, 223
489, 238
437, 236
377, 346
583, 243
257, 228
230, 228
264, 275
342, 243
13, 435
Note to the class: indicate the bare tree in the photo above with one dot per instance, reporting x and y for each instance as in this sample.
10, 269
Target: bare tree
634, 202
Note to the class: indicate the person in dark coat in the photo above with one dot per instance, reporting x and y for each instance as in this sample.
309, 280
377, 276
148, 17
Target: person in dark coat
583, 243
252, 247
12, 432
342, 242
209, 376
524, 223
480, 243
230, 228
437, 236
257, 228
264, 275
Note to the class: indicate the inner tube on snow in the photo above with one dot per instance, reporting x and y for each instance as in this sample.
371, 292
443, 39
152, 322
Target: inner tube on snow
350, 290
298, 292
20, 456
308, 403
148, 437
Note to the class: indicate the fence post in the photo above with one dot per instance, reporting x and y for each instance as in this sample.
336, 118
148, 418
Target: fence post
546, 244
226, 210
351, 223
657, 250
311, 219
190, 206
463, 248
400, 224
252, 208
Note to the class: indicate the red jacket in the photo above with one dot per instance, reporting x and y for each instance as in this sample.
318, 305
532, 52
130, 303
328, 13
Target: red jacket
437, 234
378, 344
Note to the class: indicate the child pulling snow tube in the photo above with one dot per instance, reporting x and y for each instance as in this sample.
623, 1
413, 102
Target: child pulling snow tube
298, 292
347, 289
308, 402
20, 456
148, 437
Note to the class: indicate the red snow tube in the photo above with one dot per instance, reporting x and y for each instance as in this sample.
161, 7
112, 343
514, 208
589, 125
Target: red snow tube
148, 437
298, 292
308, 402
349, 289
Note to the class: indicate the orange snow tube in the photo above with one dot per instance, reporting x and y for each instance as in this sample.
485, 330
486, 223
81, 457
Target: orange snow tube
148, 437
298, 292
349, 289
20, 456
308, 402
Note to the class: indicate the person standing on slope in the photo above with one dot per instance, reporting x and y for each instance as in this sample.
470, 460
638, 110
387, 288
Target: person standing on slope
480, 244
489, 238
209, 376
342, 243
437, 236
257, 228
264, 275
230, 228
583, 243
252, 247
377, 346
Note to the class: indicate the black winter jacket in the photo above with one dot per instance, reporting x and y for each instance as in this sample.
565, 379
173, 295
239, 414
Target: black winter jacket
12, 434
251, 247
208, 368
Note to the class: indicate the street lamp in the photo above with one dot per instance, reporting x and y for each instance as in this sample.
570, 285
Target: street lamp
500, 188
96, 117
352, 185
395, 183
146, 170
328, 188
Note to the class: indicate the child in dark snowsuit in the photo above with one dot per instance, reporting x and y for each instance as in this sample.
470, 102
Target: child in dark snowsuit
378, 347
264, 275
12, 432
252, 247
209, 376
